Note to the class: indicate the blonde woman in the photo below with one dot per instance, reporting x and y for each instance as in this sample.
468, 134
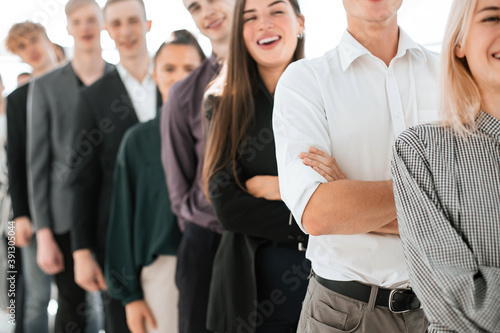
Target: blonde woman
447, 181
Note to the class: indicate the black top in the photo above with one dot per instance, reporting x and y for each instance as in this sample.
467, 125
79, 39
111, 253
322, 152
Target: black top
237, 210
16, 150
251, 222
104, 113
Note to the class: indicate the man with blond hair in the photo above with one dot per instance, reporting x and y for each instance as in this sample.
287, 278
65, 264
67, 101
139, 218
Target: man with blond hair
29, 41
105, 111
52, 101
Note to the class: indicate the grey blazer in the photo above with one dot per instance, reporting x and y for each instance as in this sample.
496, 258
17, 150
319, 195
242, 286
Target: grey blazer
52, 100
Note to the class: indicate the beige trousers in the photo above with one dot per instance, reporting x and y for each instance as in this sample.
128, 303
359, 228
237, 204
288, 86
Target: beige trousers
325, 311
161, 294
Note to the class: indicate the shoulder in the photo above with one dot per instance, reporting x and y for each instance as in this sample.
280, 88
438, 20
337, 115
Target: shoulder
305, 71
53, 75
20, 93
142, 132
424, 138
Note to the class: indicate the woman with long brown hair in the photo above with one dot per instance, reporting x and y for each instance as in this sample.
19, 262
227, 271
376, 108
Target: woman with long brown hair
260, 271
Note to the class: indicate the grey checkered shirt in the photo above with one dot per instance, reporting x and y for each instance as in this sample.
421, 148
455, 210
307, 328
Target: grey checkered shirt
447, 190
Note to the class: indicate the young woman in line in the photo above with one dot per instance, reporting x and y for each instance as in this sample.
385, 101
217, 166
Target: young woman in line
260, 271
143, 234
447, 181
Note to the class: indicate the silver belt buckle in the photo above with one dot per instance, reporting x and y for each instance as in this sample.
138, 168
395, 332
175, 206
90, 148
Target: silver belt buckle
391, 300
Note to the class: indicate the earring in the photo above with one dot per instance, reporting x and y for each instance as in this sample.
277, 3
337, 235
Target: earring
300, 36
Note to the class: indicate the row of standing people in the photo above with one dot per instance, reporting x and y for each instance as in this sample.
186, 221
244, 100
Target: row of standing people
352, 103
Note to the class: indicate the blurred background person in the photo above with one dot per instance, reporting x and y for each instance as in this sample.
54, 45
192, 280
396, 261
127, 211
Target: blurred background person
23, 78
29, 41
60, 54
143, 234
51, 114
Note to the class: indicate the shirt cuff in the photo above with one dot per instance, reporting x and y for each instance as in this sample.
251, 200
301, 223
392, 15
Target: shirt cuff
297, 184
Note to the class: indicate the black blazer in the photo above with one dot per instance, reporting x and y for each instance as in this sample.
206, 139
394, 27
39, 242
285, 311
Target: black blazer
104, 113
16, 150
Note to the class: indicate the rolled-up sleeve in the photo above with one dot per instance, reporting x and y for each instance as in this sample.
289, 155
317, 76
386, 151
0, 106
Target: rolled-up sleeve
299, 121
459, 293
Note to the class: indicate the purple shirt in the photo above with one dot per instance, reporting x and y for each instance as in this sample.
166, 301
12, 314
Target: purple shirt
183, 143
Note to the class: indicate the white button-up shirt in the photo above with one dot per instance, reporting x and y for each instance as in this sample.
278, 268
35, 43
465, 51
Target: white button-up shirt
143, 94
351, 105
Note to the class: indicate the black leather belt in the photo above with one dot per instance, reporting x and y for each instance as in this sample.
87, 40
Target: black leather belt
397, 300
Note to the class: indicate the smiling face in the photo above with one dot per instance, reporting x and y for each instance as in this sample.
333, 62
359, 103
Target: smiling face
212, 17
85, 25
270, 29
174, 63
126, 24
482, 47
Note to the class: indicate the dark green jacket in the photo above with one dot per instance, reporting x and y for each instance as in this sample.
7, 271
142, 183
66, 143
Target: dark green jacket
142, 225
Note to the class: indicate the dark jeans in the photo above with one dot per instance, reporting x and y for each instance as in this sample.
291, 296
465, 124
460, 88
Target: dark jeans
195, 258
281, 286
72, 307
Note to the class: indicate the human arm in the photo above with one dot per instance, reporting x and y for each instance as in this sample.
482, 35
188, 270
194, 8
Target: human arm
459, 294
341, 207
182, 165
239, 211
48, 255
16, 152
121, 272
39, 156
138, 313
24, 231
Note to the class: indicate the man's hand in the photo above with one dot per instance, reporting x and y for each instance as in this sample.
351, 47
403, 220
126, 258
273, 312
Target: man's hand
88, 274
49, 257
266, 187
24, 231
138, 313
323, 164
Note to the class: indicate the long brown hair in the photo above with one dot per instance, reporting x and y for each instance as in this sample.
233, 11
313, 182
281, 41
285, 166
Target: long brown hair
234, 109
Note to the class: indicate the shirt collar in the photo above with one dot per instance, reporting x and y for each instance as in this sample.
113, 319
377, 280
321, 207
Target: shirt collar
350, 49
488, 124
124, 73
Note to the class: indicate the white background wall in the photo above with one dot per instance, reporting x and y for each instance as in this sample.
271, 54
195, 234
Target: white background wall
423, 20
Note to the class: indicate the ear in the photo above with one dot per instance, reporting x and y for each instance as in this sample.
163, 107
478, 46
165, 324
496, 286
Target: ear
301, 19
149, 25
459, 51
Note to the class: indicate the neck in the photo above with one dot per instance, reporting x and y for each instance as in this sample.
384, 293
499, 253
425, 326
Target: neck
270, 77
380, 38
38, 71
220, 49
88, 64
491, 102
137, 66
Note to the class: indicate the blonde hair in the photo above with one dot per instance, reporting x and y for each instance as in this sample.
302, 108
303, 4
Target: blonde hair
23, 29
73, 5
460, 94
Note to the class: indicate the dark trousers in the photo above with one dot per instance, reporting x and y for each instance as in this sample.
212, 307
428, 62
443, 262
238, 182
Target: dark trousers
281, 286
72, 307
195, 258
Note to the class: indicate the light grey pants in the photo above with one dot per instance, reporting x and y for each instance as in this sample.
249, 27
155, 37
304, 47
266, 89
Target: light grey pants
325, 311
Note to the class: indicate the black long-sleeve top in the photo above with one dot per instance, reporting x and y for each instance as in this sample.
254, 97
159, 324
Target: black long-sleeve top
16, 150
237, 210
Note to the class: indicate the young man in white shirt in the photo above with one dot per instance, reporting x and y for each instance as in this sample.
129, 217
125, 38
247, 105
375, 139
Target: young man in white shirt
352, 103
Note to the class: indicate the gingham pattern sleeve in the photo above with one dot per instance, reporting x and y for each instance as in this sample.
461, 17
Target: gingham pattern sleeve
447, 191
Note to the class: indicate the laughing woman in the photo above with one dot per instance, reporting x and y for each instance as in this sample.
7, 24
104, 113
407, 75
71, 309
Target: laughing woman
260, 273
447, 181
